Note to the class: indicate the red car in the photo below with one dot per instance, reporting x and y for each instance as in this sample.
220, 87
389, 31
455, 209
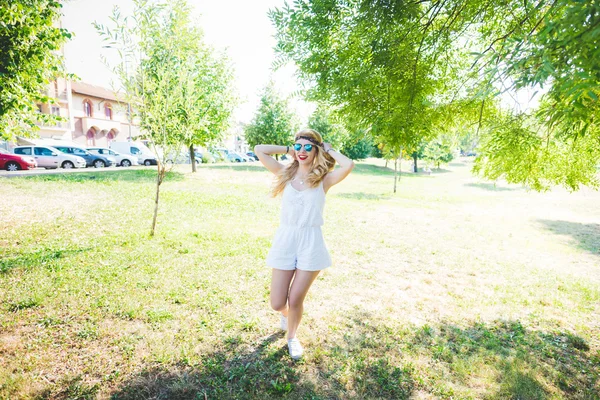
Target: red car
13, 162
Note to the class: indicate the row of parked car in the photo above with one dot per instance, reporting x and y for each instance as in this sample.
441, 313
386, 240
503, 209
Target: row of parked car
211, 156
124, 154
70, 156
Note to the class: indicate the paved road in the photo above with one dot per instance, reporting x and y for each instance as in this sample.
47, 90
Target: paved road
41, 171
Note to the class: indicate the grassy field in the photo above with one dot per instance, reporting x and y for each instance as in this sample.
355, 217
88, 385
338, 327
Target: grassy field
450, 288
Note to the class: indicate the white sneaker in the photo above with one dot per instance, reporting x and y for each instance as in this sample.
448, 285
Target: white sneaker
295, 348
283, 323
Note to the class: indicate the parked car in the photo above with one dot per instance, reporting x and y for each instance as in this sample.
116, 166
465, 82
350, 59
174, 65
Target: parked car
144, 154
235, 157
13, 162
49, 157
208, 157
219, 156
91, 160
124, 160
182, 157
252, 156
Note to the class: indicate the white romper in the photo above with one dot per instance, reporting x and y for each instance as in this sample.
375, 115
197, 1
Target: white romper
298, 242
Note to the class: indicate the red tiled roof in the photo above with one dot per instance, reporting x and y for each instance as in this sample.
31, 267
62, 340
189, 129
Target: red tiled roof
95, 91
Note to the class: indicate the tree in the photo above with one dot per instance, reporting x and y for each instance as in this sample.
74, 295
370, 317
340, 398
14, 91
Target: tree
29, 61
167, 89
328, 124
207, 99
359, 145
273, 123
550, 45
418, 152
382, 63
399, 66
438, 152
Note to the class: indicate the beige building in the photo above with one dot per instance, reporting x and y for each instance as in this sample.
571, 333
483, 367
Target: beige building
94, 115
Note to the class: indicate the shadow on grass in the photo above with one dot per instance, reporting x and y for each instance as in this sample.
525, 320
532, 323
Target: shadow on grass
370, 169
584, 236
491, 187
367, 358
137, 175
440, 171
261, 370
363, 196
252, 167
37, 258
265, 371
526, 364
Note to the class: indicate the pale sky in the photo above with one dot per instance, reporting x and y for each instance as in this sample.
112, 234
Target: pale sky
241, 28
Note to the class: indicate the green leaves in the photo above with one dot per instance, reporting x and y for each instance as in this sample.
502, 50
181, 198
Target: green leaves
28, 62
411, 71
181, 88
273, 123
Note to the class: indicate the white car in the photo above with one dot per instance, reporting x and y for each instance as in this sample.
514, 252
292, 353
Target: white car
49, 157
136, 149
124, 160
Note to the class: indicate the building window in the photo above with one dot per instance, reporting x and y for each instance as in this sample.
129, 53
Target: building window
55, 110
108, 111
87, 108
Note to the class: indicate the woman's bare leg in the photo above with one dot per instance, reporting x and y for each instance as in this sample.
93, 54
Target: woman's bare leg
302, 282
280, 286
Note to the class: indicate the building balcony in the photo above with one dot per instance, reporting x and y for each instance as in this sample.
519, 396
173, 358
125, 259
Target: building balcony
59, 126
60, 97
99, 125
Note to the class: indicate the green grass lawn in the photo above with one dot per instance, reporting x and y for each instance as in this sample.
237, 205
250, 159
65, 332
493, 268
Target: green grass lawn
450, 288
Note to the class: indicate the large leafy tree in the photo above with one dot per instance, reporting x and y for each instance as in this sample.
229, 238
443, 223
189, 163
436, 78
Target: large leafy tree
401, 66
273, 122
30, 59
207, 100
382, 63
555, 46
168, 87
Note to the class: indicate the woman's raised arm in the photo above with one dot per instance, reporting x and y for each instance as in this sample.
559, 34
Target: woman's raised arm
264, 152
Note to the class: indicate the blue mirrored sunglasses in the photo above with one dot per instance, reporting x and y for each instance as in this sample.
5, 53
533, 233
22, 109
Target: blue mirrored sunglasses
307, 147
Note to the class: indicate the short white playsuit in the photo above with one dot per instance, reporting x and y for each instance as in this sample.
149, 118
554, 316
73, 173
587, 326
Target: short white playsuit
298, 242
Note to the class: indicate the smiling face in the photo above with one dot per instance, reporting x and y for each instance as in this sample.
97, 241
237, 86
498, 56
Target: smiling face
305, 157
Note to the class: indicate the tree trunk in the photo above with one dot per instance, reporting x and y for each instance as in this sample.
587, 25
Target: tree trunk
416, 169
159, 179
193, 157
395, 173
386, 161
400, 164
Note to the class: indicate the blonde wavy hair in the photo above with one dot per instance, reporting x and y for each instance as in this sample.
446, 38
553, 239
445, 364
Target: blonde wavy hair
323, 163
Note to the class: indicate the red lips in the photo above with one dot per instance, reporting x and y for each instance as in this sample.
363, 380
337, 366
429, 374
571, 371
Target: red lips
302, 157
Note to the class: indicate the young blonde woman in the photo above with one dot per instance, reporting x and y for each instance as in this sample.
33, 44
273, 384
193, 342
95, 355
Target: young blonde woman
298, 252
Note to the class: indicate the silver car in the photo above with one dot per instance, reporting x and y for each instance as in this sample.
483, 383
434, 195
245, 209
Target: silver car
124, 160
48, 157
